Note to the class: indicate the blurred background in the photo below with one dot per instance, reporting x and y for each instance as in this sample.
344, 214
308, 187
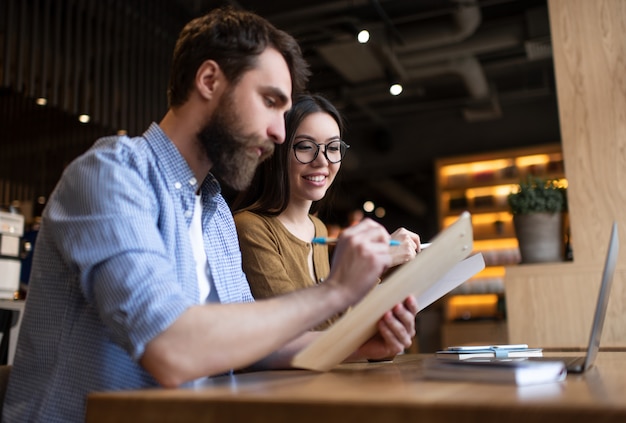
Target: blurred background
476, 77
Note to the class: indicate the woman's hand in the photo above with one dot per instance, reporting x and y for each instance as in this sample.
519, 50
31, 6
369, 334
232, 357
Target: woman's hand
408, 248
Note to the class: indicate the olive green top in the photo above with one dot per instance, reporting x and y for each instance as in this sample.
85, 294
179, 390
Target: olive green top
276, 261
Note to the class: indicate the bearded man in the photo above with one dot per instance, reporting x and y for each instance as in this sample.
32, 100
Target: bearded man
137, 279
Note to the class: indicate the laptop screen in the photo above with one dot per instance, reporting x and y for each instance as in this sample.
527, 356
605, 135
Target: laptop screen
603, 297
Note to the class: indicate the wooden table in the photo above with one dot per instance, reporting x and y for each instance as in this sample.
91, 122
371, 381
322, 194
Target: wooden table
374, 392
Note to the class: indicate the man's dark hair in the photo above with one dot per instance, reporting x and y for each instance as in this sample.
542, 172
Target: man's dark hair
270, 189
234, 39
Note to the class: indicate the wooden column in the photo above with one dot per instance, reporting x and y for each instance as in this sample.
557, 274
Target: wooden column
552, 305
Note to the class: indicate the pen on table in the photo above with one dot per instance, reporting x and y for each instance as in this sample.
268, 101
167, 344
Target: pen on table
327, 241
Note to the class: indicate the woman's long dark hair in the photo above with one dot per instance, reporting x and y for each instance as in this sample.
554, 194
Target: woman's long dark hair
270, 189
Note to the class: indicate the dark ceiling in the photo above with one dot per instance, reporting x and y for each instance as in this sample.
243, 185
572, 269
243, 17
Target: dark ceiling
477, 76
449, 54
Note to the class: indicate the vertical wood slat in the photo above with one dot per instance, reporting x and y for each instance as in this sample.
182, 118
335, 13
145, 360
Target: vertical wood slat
105, 93
67, 56
125, 49
56, 56
116, 62
43, 54
22, 46
10, 35
76, 58
130, 92
87, 53
34, 49
97, 17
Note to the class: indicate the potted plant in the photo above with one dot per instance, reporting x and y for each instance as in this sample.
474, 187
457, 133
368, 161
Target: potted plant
538, 206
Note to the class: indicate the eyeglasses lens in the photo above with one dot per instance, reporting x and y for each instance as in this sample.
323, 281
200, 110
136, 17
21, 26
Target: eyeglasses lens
307, 151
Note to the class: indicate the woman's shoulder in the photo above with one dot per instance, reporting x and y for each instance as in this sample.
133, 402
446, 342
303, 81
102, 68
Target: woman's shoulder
251, 219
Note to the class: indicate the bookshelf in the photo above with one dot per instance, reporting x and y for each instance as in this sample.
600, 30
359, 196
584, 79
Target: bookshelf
480, 184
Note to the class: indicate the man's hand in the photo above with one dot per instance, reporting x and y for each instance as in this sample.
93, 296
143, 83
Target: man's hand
396, 330
361, 254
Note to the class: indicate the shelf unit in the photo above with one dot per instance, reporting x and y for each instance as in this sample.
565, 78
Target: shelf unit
480, 184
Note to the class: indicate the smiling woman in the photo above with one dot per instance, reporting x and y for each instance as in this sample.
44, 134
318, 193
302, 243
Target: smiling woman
276, 226
276, 221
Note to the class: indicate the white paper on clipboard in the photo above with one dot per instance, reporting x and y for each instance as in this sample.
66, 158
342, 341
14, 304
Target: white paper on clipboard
460, 273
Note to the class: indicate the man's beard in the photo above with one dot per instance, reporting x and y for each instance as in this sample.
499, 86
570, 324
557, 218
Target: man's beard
227, 147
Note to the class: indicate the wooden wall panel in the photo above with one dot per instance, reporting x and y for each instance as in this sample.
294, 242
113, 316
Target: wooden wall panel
551, 305
589, 45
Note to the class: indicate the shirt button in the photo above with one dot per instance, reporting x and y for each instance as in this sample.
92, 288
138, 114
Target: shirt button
188, 213
193, 181
178, 185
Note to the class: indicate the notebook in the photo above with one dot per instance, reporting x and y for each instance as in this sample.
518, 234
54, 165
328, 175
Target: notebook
580, 364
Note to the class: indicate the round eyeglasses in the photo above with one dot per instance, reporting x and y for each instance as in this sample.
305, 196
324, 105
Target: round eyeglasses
306, 151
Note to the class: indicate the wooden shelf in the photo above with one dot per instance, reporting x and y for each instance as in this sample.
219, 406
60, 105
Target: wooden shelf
480, 184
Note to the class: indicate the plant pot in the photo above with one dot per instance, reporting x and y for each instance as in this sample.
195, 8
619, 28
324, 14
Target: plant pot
540, 236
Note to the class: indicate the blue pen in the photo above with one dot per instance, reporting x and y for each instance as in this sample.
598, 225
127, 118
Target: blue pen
326, 241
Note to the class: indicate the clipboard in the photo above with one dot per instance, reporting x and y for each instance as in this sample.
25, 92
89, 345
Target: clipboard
419, 276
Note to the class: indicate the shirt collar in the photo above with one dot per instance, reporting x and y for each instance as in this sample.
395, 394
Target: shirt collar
175, 166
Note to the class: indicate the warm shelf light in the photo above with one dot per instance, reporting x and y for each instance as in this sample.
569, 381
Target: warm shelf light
482, 218
491, 272
476, 299
495, 244
534, 160
475, 167
471, 306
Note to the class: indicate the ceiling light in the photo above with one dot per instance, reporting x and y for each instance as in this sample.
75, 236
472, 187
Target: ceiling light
83, 118
368, 206
395, 89
41, 101
363, 36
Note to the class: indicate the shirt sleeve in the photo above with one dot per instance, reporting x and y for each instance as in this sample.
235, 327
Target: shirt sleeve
104, 217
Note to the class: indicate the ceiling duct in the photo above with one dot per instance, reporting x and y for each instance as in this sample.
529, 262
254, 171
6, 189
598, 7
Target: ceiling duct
359, 63
373, 62
466, 68
462, 23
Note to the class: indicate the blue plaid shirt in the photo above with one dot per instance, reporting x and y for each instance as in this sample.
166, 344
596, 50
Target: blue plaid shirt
112, 269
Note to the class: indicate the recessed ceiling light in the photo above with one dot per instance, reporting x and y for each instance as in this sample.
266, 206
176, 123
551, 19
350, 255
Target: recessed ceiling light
363, 36
395, 89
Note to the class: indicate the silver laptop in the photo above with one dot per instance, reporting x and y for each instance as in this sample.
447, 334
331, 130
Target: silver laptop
583, 363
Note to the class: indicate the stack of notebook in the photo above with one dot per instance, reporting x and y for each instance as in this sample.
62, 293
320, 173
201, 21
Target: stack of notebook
519, 372
489, 351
